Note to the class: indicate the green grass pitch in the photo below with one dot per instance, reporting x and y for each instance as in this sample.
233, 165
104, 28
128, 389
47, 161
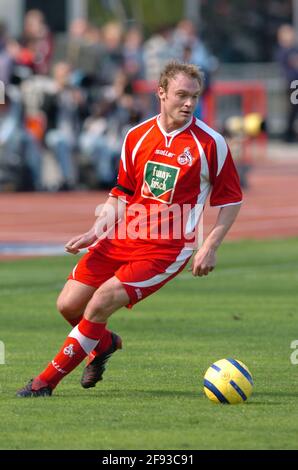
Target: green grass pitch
151, 396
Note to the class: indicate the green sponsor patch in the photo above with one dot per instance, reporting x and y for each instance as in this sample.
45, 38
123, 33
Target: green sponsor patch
159, 181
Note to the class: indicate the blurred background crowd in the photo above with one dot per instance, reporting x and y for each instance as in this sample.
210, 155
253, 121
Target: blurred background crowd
75, 83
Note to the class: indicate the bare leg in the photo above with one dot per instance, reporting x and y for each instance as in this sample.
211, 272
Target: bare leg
84, 337
73, 299
108, 298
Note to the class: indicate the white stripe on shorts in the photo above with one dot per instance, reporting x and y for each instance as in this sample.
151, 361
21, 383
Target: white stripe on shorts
184, 254
74, 270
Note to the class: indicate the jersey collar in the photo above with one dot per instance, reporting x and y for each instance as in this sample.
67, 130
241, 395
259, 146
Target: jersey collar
169, 136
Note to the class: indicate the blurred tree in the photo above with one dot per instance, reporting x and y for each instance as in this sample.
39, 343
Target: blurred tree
234, 30
150, 13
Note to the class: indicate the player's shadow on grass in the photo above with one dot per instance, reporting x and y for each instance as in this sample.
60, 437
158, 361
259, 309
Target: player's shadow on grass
264, 396
261, 397
127, 393
168, 393
276, 394
155, 393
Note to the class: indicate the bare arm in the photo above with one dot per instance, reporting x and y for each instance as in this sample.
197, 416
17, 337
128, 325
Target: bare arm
108, 214
205, 259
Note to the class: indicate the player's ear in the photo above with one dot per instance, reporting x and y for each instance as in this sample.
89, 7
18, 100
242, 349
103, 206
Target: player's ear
161, 93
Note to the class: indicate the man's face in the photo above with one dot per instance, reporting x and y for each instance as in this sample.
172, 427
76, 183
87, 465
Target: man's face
180, 100
62, 74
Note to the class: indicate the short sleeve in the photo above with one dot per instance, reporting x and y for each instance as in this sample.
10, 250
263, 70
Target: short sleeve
226, 188
125, 186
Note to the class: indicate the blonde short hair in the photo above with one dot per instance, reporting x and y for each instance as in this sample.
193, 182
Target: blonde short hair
173, 68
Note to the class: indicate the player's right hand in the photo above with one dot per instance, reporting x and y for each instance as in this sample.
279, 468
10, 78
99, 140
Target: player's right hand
75, 244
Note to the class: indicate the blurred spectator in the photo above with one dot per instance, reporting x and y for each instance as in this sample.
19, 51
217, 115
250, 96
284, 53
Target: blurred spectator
19, 150
157, 51
133, 54
37, 38
6, 60
188, 47
65, 109
287, 56
80, 49
187, 41
75, 42
94, 50
23, 59
112, 35
103, 132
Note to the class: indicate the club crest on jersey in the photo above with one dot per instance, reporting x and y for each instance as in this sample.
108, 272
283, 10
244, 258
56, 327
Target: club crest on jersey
185, 158
159, 181
68, 350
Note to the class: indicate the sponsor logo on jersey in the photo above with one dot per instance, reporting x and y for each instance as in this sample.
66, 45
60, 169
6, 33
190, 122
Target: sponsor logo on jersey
159, 181
164, 153
185, 158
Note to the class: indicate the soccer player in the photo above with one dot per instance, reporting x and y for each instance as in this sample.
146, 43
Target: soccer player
169, 163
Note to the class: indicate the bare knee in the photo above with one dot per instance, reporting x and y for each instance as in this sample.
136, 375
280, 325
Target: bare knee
73, 299
67, 308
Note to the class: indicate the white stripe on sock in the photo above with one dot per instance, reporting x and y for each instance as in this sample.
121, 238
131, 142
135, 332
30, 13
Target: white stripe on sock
87, 344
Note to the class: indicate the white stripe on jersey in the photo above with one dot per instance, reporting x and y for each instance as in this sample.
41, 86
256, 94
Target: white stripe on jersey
124, 143
86, 343
184, 254
221, 146
204, 165
134, 152
123, 156
194, 217
197, 210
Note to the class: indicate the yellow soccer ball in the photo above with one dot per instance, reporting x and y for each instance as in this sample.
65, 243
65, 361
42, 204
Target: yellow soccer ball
228, 381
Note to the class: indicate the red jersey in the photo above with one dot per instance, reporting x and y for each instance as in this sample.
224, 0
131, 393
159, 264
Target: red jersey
161, 173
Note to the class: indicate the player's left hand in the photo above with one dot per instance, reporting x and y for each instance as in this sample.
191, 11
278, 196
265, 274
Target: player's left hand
75, 244
203, 262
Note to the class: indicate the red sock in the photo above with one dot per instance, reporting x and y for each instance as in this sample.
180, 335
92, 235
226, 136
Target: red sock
79, 343
103, 344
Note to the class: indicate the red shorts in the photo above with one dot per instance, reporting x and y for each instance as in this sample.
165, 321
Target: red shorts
140, 278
